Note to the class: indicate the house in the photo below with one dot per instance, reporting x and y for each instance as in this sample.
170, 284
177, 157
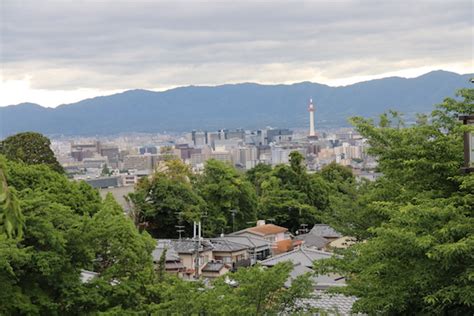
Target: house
187, 250
329, 303
277, 235
258, 248
312, 241
230, 253
173, 263
325, 231
303, 256
322, 300
214, 269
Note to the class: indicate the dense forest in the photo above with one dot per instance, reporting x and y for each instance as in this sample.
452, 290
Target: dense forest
414, 227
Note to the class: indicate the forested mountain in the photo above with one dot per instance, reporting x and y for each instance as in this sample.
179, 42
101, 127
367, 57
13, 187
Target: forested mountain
245, 105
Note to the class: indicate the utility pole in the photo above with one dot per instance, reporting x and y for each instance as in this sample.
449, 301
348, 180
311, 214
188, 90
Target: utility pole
197, 240
233, 219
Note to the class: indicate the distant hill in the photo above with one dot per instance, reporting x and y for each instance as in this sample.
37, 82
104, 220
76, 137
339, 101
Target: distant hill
245, 105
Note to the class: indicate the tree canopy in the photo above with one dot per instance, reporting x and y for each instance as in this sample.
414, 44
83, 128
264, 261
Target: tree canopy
418, 252
30, 148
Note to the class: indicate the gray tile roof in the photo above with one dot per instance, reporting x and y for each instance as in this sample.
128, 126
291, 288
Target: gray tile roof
303, 256
333, 304
250, 241
189, 246
312, 240
103, 182
224, 245
171, 254
319, 281
324, 230
213, 267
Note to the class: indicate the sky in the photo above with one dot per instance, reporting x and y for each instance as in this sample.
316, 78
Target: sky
55, 52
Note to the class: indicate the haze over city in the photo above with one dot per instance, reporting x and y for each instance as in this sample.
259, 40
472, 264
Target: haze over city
55, 52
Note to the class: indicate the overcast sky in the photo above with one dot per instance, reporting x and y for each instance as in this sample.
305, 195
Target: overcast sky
62, 51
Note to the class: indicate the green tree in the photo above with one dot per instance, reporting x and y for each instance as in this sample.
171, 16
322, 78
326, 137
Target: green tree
79, 196
254, 291
30, 148
418, 257
105, 171
291, 196
11, 218
167, 200
257, 175
224, 190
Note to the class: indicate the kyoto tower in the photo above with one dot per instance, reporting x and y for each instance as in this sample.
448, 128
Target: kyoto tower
311, 118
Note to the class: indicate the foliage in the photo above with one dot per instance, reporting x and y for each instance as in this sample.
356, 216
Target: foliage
224, 190
11, 218
79, 196
255, 291
419, 254
167, 200
105, 171
289, 195
30, 148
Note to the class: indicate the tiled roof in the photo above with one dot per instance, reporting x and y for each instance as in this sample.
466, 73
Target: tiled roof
319, 281
333, 304
304, 256
171, 254
174, 265
250, 241
224, 245
213, 267
324, 230
267, 229
185, 245
311, 240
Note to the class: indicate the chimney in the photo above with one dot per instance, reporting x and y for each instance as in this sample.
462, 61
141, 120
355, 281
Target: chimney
260, 222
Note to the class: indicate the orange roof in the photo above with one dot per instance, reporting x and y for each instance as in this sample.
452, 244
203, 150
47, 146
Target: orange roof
283, 246
267, 229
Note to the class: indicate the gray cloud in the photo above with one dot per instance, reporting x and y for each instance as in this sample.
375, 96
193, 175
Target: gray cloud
150, 44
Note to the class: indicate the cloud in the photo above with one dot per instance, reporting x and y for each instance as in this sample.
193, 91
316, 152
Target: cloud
110, 45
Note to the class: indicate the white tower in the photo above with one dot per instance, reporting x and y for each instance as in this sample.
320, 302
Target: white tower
311, 117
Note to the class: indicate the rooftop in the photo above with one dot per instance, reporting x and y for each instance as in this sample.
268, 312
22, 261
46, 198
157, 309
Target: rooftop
213, 267
249, 241
303, 256
185, 246
224, 245
312, 240
263, 230
333, 304
325, 231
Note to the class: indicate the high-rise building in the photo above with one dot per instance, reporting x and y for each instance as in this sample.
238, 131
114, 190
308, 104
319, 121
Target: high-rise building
311, 118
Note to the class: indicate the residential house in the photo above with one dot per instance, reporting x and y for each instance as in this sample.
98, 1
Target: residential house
277, 235
303, 259
312, 241
214, 269
325, 231
187, 251
173, 263
303, 256
230, 253
258, 248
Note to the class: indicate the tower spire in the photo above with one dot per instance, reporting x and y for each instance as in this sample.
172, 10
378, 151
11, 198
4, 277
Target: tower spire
311, 117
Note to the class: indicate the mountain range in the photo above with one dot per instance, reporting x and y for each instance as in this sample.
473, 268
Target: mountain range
245, 105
